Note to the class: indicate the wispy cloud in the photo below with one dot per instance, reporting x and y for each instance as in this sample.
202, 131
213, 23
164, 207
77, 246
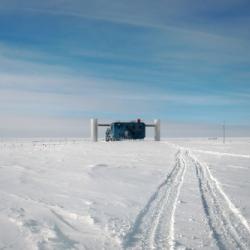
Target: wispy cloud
186, 15
55, 81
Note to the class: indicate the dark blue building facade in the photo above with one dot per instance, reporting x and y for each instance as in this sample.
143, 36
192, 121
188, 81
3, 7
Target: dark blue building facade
126, 130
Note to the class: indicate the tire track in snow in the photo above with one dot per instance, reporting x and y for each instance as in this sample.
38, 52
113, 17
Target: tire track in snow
229, 228
154, 225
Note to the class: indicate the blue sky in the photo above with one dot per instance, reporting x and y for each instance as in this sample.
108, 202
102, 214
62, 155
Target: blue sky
64, 61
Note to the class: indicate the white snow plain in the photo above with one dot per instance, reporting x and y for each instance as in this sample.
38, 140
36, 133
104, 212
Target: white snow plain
76, 194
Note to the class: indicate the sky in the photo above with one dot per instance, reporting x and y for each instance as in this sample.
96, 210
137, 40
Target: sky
186, 62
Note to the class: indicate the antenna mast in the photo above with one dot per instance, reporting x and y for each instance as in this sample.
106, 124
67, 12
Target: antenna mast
224, 132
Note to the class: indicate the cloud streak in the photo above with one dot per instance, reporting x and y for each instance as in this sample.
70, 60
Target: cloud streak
184, 15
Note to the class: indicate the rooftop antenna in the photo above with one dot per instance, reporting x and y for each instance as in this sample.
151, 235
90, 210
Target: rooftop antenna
224, 132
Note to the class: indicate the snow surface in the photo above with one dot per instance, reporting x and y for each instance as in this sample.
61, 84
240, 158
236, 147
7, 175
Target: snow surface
173, 194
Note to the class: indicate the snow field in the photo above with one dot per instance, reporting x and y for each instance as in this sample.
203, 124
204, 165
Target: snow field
72, 194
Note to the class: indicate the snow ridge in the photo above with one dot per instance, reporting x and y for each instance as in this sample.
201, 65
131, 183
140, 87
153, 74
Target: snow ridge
221, 153
154, 225
229, 228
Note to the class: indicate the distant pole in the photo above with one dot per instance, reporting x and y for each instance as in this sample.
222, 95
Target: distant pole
224, 132
94, 129
157, 124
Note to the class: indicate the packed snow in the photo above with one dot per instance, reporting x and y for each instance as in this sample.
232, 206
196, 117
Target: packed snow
77, 194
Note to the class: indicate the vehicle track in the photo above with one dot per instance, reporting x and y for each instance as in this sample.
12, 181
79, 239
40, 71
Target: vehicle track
228, 226
154, 225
